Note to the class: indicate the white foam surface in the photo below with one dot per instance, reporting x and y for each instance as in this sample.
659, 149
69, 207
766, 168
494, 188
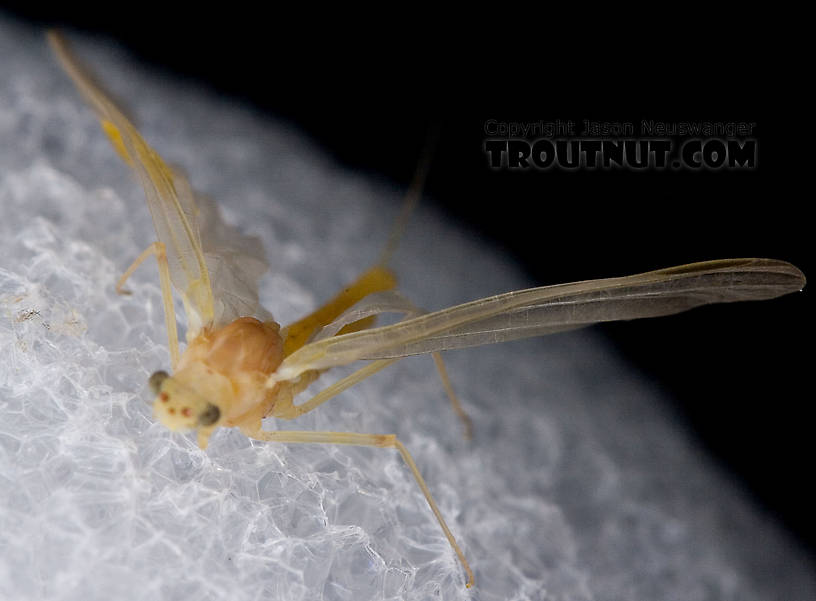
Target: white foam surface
579, 484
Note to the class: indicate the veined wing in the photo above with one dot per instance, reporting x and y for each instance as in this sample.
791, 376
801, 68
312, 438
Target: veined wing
235, 261
539, 311
168, 194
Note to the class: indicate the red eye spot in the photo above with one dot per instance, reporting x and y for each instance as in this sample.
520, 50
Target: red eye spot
171, 411
186, 412
164, 397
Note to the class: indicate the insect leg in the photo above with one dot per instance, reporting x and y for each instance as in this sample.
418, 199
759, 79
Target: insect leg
157, 248
369, 440
376, 279
411, 197
293, 411
455, 403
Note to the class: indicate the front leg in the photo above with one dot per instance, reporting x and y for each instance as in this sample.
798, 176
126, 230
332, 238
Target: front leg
158, 249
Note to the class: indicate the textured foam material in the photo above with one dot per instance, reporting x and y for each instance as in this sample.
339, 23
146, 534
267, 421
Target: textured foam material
579, 484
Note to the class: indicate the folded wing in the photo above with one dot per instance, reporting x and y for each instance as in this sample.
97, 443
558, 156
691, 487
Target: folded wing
169, 196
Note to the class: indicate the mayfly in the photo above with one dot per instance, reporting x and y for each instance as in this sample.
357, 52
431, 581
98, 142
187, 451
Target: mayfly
237, 370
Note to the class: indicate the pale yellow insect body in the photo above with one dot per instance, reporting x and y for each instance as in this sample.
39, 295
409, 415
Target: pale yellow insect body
237, 370
220, 379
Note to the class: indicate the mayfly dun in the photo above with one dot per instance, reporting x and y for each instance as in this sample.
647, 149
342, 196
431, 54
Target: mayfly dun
237, 370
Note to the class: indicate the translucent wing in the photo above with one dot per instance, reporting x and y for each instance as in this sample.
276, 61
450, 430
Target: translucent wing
539, 311
169, 195
236, 262
370, 306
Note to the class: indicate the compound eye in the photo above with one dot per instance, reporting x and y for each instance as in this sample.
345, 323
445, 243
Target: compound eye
209, 416
156, 380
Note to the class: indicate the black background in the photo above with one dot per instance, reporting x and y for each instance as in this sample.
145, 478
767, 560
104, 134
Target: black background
369, 93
